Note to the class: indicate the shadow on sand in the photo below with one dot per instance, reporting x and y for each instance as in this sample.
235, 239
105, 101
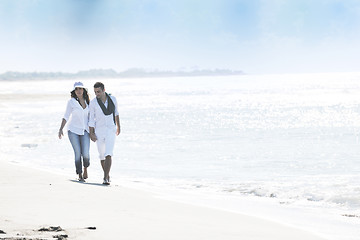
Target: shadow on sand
89, 183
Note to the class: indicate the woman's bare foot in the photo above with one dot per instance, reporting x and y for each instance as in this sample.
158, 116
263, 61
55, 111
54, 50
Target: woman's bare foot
81, 178
85, 175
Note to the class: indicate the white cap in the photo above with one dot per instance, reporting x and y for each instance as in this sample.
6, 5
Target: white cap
78, 85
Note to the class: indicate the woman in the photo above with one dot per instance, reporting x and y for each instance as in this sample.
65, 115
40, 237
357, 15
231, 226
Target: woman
77, 111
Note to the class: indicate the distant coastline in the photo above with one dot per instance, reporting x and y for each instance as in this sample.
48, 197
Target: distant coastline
110, 73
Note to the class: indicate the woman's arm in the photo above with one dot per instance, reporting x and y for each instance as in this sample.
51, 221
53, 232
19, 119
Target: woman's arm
63, 122
65, 118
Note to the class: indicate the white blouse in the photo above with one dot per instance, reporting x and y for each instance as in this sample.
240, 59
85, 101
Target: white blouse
79, 117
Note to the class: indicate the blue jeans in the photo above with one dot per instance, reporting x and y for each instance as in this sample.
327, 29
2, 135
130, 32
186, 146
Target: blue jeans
81, 146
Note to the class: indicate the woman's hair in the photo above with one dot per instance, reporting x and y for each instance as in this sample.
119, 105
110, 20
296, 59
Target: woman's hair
85, 95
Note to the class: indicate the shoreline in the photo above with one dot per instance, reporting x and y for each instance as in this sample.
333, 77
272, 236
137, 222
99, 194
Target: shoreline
324, 202
32, 199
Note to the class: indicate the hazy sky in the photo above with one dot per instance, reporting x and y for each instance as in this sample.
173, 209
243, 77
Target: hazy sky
256, 36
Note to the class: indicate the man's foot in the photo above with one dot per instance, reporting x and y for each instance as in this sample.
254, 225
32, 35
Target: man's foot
85, 175
106, 182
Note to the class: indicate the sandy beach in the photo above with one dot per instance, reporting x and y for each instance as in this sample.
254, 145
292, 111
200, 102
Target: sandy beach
239, 119
39, 205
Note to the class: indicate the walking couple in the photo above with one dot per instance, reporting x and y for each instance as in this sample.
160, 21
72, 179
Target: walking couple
97, 120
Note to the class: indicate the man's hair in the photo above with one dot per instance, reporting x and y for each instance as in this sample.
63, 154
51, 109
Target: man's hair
99, 85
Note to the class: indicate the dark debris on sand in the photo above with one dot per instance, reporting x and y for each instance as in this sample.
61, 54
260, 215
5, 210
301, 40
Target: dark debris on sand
351, 215
21, 238
16, 238
54, 229
58, 237
51, 229
61, 237
44, 229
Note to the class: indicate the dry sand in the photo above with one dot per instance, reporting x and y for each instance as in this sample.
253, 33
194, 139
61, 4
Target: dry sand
33, 200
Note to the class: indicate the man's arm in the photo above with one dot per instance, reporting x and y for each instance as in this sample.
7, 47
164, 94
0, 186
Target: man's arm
117, 118
92, 134
118, 129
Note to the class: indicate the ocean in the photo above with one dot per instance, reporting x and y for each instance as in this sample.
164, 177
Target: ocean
285, 147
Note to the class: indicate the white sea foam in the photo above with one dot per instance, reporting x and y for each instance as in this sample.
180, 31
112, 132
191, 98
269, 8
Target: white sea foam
291, 140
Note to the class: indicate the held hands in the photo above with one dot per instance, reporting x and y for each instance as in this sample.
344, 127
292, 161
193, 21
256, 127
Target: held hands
60, 134
93, 137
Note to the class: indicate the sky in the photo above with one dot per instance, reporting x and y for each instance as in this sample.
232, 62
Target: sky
253, 36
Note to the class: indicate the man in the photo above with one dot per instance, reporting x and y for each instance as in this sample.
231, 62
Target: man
104, 124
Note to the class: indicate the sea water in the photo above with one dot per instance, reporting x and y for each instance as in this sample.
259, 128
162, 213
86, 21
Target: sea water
287, 141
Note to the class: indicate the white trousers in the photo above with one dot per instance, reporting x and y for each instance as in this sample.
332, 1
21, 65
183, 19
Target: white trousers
105, 141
